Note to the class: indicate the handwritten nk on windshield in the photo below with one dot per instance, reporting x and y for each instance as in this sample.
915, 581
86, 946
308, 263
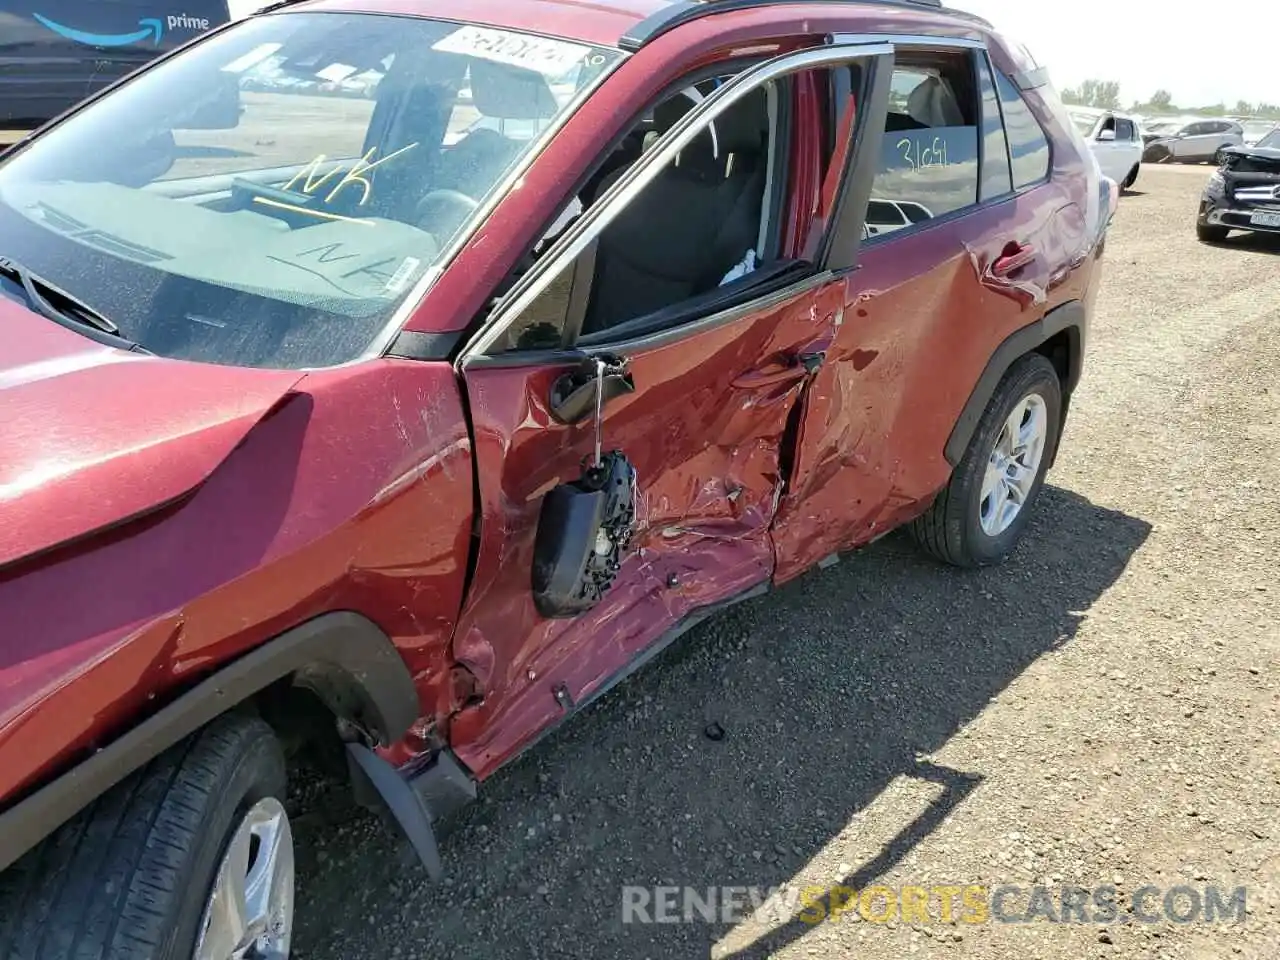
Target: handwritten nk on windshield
313, 182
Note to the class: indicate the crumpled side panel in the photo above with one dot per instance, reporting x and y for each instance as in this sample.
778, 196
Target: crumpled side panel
704, 429
925, 315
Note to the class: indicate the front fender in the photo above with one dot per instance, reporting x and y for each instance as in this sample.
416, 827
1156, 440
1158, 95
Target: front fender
342, 646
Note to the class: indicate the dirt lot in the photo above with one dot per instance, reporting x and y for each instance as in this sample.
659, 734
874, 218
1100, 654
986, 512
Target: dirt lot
1104, 710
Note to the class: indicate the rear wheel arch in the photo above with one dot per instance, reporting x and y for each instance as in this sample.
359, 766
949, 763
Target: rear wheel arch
1059, 336
343, 659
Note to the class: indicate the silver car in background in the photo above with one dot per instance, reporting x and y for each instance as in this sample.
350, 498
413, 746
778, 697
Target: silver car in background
1190, 141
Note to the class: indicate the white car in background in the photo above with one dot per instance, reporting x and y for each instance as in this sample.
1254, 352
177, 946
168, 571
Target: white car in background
1115, 140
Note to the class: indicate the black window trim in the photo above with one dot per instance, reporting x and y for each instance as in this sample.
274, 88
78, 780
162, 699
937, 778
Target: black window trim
980, 59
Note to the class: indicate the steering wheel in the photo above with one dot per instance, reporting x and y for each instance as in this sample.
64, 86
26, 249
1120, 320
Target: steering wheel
462, 205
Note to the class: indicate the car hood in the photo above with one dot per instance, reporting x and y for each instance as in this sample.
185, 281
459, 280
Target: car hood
94, 436
1260, 153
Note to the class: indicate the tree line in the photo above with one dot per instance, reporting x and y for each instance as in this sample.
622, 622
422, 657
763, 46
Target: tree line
1105, 94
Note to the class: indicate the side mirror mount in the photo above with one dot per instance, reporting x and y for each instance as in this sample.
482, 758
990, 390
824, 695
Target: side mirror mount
1106, 136
574, 394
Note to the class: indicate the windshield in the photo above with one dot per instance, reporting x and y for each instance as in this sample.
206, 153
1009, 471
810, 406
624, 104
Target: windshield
269, 197
1164, 127
1271, 140
1085, 122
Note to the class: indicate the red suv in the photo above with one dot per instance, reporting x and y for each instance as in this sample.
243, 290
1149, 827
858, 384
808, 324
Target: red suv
402, 383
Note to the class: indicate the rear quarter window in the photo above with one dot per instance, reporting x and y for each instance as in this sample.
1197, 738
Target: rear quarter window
1028, 146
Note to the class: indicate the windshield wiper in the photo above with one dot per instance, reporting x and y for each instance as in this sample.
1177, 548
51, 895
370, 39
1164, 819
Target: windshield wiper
75, 314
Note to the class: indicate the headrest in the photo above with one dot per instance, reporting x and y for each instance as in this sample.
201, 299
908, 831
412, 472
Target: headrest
510, 93
740, 129
933, 104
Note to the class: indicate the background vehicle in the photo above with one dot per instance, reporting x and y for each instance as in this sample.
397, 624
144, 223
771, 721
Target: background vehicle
1244, 193
1195, 141
885, 216
1114, 139
402, 460
56, 52
1256, 130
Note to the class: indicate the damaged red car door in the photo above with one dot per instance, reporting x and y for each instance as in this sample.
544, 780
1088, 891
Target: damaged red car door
694, 421
703, 430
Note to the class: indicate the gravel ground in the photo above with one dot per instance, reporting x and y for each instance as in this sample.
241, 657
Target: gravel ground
1102, 710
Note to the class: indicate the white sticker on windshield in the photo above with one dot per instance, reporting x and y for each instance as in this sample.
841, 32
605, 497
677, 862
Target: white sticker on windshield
252, 58
400, 279
546, 56
336, 72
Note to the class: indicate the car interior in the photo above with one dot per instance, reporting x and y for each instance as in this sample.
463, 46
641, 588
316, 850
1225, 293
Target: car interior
704, 232
699, 227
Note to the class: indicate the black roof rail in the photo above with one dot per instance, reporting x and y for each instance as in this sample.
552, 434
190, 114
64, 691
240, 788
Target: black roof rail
682, 11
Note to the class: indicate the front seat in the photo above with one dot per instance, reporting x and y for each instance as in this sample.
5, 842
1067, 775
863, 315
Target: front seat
412, 106
690, 225
506, 95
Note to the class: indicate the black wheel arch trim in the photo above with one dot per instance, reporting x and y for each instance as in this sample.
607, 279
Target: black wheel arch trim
1070, 317
343, 657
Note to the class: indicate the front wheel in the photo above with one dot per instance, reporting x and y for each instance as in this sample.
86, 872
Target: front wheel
979, 517
1131, 179
190, 858
1208, 233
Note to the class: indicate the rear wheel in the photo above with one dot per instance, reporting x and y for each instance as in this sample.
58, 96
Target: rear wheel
1208, 233
979, 517
190, 857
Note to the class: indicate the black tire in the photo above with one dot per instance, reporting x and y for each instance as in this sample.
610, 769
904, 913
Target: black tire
128, 878
1131, 179
951, 529
1208, 233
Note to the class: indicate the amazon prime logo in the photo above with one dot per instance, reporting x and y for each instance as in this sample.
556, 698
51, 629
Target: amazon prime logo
149, 28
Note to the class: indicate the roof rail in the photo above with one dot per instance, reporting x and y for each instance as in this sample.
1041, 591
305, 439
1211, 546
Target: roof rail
682, 11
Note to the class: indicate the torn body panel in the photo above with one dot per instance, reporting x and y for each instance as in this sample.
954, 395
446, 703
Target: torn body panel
703, 428
916, 332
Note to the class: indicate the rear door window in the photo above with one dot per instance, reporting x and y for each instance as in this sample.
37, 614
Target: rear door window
1028, 146
929, 157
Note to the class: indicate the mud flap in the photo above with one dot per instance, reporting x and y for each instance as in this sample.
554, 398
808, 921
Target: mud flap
380, 787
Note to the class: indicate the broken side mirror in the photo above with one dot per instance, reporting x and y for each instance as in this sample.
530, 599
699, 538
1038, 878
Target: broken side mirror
592, 384
584, 526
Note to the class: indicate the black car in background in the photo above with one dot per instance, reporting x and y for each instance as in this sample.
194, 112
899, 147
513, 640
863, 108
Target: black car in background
53, 53
1244, 193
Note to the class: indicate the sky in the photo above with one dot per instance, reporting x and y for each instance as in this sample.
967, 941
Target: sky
1201, 52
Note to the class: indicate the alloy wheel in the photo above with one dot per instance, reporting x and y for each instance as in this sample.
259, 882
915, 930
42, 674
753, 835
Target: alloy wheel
1013, 465
249, 912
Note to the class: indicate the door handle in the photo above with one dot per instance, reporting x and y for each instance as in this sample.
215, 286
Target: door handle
1014, 257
